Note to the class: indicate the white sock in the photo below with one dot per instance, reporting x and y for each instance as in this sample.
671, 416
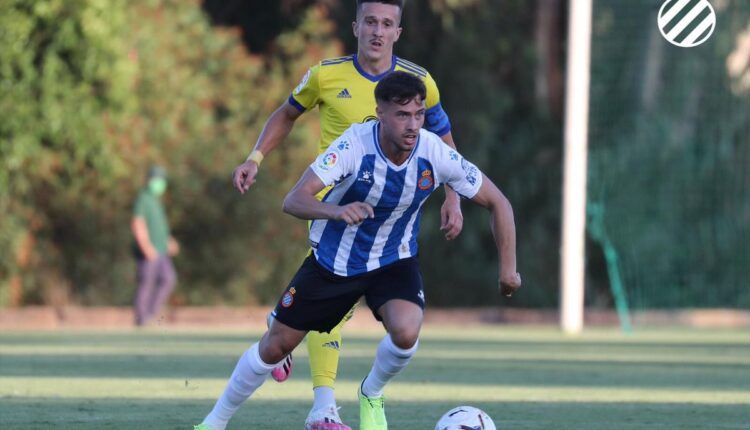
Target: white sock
324, 397
389, 361
248, 375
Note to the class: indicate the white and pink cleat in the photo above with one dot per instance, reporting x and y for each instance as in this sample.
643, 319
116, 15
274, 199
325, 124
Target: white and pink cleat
283, 371
325, 419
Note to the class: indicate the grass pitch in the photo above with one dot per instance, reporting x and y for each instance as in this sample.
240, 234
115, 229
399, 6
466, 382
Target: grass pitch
525, 378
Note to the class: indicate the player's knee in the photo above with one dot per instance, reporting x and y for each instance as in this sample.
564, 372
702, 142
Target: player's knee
273, 349
404, 337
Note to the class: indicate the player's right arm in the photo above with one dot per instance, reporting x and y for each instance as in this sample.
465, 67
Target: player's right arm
301, 203
278, 127
330, 167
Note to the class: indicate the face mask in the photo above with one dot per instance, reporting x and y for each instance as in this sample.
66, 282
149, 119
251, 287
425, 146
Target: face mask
157, 186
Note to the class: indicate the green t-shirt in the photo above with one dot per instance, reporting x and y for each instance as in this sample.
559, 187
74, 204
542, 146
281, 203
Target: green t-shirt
149, 207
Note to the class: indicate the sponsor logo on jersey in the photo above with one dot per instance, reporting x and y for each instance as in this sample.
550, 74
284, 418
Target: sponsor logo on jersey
328, 161
302, 83
343, 145
453, 155
344, 94
426, 182
470, 170
366, 177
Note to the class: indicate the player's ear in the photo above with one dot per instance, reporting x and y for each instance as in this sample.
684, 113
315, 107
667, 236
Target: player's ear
378, 111
398, 33
354, 28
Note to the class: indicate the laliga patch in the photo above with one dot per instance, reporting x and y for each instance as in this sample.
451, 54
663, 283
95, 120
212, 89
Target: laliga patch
426, 182
470, 170
302, 83
328, 160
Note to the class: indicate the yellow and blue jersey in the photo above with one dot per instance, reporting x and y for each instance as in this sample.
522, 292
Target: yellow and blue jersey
345, 95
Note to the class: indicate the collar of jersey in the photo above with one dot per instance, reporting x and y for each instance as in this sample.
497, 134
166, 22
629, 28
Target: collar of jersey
374, 78
391, 164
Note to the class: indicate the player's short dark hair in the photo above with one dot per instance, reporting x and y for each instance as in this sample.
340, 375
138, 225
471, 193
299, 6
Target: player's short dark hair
399, 3
400, 87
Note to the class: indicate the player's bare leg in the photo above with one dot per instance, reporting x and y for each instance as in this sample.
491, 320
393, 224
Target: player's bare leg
283, 371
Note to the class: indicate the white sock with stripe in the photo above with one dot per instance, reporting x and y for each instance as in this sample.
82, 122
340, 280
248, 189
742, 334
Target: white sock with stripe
390, 360
248, 375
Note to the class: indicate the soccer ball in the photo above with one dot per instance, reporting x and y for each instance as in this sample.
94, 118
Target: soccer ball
465, 418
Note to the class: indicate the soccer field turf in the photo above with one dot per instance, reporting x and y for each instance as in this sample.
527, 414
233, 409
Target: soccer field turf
525, 378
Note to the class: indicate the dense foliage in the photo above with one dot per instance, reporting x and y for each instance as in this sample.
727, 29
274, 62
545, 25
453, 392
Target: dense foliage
93, 92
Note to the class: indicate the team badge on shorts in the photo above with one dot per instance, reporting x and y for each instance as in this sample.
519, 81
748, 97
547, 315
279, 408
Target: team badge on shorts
426, 182
288, 298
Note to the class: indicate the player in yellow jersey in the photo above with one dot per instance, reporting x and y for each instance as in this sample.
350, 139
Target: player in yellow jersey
343, 89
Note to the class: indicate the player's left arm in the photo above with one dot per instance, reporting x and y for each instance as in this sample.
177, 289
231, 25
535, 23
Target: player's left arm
437, 121
503, 230
469, 181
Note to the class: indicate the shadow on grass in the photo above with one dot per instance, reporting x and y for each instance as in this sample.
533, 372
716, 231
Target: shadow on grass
501, 371
117, 414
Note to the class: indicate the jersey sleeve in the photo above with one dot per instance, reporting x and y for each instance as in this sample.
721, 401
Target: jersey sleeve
307, 94
461, 174
337, 162
139, 208
436, 119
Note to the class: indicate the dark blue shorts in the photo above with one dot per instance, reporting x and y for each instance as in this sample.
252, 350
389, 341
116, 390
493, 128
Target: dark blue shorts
317, 300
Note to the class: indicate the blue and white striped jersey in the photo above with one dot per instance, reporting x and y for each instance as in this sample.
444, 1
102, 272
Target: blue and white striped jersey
356, 166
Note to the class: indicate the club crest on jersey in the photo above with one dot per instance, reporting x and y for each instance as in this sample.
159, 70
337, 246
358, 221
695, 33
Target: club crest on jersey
328, 161
470, 170
302, 83
288, 298
426, 182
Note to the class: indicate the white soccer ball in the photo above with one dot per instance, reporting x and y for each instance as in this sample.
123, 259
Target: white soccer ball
465, 418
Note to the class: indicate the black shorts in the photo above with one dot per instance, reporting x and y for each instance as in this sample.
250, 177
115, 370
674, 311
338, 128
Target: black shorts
317, 300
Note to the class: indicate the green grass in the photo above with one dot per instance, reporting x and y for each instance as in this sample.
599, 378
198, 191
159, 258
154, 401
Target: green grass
525, 378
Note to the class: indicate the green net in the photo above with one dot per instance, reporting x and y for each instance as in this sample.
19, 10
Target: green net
669, 169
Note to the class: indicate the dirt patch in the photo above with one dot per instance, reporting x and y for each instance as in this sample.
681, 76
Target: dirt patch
46, 318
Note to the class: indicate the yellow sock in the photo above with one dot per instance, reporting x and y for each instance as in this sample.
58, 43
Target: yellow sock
323, 349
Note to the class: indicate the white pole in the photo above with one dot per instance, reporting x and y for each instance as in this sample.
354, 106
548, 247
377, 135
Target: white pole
575, 170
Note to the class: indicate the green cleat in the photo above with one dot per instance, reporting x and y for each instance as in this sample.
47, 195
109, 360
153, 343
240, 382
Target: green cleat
202, 427
371, 412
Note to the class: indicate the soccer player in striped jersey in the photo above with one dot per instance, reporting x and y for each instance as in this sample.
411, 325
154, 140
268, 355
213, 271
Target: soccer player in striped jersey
342, 89
364, 240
